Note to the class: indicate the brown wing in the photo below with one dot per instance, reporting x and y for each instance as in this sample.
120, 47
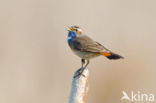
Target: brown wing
86, 44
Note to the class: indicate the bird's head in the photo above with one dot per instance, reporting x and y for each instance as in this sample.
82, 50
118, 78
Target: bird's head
73, 32
75, 29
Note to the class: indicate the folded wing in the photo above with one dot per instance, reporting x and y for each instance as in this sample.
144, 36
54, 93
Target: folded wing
84, 43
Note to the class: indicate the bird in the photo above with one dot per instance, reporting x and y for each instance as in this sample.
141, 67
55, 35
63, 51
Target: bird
86, 48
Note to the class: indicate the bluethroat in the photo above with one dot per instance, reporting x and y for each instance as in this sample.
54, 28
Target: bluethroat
86, 48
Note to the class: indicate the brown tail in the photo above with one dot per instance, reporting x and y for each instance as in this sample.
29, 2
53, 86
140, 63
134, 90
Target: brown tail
111, 55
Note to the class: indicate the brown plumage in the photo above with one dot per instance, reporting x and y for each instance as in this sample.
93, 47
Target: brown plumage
86, 48
84, 44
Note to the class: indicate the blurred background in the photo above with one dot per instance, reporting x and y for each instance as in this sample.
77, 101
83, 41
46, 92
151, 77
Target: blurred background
36, 64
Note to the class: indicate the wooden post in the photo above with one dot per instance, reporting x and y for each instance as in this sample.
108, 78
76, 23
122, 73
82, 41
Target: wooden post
79, 87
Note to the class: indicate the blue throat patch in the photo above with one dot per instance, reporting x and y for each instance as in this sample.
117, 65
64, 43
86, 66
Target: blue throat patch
71, 36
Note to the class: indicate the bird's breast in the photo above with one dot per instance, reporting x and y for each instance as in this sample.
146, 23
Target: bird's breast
71, 36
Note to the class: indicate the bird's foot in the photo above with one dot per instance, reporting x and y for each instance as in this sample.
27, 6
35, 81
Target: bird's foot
79, 73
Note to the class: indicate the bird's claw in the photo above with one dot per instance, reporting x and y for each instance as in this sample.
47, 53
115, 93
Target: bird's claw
79, 73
